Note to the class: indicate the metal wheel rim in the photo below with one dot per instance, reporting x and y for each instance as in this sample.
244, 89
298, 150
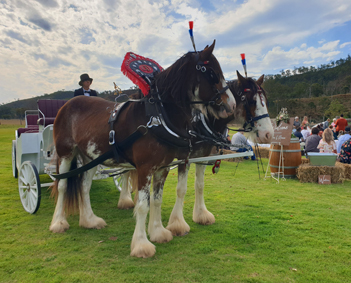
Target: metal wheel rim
14, 166
29, 187
117, 181
123, 180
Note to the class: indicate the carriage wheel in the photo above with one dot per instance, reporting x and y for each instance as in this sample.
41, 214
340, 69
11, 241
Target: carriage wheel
14, 165
117, 181
29, 187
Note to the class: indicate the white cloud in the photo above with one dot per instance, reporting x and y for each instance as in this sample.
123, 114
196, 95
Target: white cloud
46, 45
344, 44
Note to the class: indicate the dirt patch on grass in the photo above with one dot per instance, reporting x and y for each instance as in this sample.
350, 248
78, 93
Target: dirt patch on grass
12, 122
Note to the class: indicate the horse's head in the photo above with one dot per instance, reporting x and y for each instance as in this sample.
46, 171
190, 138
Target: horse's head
196, 80
210, 87
252, 107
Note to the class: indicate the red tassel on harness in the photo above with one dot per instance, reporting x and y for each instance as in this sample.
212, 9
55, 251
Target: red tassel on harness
215, 167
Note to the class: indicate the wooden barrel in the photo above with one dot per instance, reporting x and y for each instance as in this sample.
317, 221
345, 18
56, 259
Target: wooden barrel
291, 156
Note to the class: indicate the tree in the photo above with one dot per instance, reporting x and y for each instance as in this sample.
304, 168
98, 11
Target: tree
316, 90
335, 108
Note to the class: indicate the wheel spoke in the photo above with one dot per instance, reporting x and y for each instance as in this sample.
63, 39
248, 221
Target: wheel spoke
32, 202
34, 191
23, 180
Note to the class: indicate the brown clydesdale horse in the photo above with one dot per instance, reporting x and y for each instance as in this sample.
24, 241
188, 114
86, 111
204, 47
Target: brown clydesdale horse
251, 102
81, 130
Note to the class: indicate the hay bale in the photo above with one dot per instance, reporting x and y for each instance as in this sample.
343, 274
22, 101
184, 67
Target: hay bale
238, 159
305, 161
264, 152
309, 174
347, 168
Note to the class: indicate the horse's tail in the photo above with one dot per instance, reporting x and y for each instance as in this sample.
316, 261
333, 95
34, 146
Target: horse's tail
73, 188
54, 187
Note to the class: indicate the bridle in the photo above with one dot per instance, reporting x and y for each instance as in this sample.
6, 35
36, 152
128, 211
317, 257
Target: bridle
250, 120
212, 78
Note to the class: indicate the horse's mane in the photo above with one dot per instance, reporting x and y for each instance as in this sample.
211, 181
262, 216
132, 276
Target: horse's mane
172, 83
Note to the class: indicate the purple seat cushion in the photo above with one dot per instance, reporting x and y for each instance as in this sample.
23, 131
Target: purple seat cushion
32, 129
49, 107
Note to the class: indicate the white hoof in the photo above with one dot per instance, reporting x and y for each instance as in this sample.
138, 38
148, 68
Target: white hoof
59, 226
161, 235
93, 222
126, 203
178, 226
142, 249
203, 217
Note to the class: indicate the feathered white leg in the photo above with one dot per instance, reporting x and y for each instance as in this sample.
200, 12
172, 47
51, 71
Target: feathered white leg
156, 230
200, 214
176, 223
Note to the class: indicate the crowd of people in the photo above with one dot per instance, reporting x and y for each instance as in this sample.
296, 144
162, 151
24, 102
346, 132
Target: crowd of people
325, 137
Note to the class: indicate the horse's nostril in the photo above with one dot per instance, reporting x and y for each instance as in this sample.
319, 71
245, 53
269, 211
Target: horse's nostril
268, 136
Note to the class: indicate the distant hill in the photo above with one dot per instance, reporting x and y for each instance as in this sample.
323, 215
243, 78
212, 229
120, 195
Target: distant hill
316, 92
17, 108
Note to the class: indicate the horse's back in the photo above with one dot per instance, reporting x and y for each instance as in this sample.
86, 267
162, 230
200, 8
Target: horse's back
79, 119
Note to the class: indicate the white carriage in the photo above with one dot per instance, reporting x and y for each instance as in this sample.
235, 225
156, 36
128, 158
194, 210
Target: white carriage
33, 154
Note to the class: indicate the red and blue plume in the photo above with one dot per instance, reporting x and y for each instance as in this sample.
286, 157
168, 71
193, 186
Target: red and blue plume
191, 26
243, 61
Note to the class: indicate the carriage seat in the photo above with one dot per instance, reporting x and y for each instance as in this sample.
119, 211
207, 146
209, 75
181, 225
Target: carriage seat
48, 109
31, 121
31, 125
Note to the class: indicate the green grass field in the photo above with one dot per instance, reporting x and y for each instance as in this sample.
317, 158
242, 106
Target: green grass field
264, 232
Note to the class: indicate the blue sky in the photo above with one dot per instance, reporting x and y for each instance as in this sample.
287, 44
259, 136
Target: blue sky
46, 44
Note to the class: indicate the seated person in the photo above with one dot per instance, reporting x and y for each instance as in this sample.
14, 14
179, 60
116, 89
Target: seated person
341, 133
296, 122
298, 134
327, 143
345, 152
239, 139
312, 141
305, 132
343, 138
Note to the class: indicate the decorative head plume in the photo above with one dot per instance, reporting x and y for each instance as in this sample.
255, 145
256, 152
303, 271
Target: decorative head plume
191, 25
243, 61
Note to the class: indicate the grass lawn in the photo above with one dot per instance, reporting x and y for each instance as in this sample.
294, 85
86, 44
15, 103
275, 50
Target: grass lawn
264, 232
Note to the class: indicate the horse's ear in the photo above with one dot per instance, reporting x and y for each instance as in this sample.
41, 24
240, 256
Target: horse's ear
260, 80
241, 79
207, 52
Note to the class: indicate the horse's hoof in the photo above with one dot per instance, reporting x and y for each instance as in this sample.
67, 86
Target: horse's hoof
161, 235
59, 226
178, 227
204, 217
93, 223
125, 203
144, 249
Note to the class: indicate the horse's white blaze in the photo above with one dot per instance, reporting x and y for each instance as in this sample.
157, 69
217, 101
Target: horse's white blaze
231, 100
59, 223
176, 223
263, 126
